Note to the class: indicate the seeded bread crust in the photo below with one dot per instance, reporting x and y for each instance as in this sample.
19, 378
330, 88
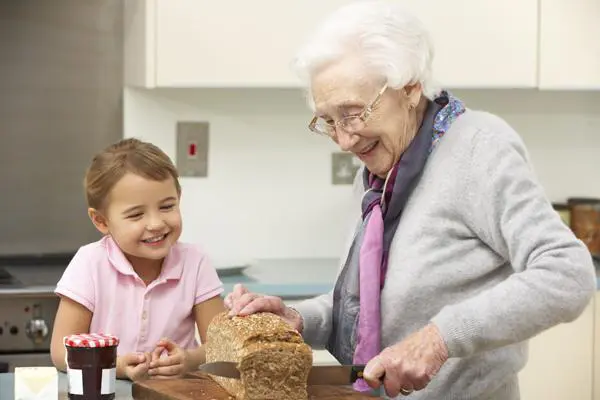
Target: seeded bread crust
273, 359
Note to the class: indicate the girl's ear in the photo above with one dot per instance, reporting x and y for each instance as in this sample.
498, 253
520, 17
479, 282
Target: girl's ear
99, 221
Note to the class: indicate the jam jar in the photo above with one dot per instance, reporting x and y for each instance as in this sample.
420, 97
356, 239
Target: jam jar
91, 366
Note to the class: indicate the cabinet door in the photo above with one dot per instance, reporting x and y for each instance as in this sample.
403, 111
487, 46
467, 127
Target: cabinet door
490, 43
561, 362
235, 43
232, 43
569, 44
597, 348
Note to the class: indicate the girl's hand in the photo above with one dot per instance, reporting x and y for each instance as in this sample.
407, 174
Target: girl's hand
135, 365
175, 364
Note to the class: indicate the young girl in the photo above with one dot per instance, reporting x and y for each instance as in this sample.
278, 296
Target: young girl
138, 282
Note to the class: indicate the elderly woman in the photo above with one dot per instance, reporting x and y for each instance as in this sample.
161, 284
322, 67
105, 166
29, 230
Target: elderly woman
457, 257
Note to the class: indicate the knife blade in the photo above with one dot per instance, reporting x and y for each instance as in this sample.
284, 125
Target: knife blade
318, 375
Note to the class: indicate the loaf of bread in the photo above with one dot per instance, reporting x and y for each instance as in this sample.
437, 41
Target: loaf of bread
272, 358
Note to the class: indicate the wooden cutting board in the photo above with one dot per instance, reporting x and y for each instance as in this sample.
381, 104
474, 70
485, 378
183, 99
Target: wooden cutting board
199, 386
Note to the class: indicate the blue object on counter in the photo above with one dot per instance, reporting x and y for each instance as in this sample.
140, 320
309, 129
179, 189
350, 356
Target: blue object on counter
283, 290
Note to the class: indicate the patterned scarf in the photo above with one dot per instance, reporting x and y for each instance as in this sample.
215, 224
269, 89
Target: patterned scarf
356, 335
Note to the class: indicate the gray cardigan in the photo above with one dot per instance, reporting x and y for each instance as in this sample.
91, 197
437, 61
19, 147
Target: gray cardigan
481, 253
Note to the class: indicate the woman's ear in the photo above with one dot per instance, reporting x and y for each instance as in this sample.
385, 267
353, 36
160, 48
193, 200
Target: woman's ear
413, 94
99, 220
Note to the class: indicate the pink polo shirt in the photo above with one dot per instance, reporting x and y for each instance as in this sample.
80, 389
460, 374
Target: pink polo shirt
100, 278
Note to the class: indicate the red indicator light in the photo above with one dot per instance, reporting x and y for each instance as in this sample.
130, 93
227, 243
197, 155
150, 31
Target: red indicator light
192, 149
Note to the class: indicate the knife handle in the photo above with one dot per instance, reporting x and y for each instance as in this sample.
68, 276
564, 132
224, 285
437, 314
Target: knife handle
357, 371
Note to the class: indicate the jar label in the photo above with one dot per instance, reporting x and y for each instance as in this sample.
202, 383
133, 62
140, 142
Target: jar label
75, 380
109, 380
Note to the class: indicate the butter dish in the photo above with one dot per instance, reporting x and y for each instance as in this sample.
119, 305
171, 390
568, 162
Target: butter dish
36, 383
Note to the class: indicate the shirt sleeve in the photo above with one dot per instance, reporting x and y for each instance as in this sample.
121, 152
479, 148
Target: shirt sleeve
76, 282
506, 208
317, 319
208, 285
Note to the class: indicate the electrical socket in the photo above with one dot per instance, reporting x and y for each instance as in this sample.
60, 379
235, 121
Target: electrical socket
192, 148
343, 168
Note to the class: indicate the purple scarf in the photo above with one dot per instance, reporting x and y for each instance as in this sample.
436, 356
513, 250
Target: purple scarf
382, 207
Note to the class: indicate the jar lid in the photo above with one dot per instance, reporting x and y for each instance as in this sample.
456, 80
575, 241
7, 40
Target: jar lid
583, 200
91, 340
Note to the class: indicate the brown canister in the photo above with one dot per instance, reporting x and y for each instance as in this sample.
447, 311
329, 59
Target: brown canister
91, 366
585, 221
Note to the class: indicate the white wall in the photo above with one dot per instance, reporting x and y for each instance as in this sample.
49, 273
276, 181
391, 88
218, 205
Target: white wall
268, 192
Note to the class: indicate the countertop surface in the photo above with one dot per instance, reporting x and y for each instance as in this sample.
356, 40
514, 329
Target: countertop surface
286, 278
123, 387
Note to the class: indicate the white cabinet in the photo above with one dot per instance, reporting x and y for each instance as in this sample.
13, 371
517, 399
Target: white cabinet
482, 44
232, 43
561, 362
597, 349
193, 43
569, 44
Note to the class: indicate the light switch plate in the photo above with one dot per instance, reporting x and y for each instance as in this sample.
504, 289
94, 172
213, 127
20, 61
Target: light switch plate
343, 168
192, 148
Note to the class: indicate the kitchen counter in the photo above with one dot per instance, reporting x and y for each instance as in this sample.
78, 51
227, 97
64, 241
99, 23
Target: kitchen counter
287, 278
291, 279
123, 387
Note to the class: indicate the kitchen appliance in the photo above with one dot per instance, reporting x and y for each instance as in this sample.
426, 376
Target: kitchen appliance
61, 102
27, 309
25, 330
318, 375
585, 222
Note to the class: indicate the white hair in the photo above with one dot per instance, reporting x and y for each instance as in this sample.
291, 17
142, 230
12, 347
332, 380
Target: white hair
390, 40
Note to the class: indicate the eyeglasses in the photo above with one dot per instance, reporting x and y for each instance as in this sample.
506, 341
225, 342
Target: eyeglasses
350, 123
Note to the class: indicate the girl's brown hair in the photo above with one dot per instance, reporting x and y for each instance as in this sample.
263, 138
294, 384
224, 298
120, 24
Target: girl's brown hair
127, 155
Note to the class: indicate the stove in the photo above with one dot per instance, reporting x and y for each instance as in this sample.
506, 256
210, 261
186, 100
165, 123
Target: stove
27, 309
7, 280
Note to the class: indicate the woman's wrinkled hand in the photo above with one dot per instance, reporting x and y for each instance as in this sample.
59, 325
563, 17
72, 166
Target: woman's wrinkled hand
241, 302
409, 365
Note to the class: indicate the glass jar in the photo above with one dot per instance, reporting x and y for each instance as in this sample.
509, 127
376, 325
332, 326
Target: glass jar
91, 366
585, 222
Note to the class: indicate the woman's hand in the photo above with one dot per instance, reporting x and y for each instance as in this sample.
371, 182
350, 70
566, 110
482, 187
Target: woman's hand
175, 364
241, 302
409, 365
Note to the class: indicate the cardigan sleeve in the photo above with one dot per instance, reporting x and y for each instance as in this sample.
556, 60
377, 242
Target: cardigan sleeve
506, 208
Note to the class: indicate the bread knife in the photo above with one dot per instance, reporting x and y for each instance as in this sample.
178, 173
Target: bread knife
318, 375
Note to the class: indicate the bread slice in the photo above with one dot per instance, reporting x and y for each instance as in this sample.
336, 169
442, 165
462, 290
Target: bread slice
272, 358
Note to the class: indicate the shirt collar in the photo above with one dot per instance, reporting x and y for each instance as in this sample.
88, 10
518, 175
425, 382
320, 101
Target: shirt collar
172, 268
